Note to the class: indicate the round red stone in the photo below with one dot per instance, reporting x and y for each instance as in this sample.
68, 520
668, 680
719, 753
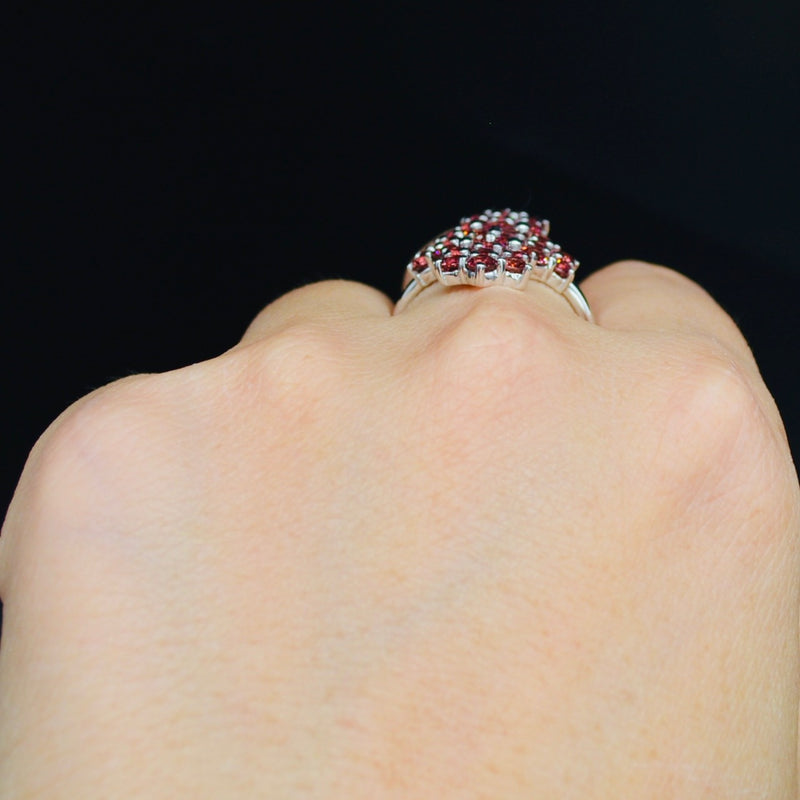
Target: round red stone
506, 229
563, 266
500, 239
484, 261
515, 265
450, 264
449, 248
419, 264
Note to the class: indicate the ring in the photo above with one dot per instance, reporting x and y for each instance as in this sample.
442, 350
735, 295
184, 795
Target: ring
495, 248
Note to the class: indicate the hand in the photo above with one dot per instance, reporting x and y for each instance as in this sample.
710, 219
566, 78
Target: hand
478, 549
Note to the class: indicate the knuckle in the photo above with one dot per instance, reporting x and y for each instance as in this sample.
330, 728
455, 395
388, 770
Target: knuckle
716, 399
75, 469
293, 369
117, 419
326, 298
632, 271
633, 268
711, 425
498, 350
110, 421
716, 456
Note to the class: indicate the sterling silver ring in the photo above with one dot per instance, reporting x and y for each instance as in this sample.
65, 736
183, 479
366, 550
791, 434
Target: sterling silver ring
495, 248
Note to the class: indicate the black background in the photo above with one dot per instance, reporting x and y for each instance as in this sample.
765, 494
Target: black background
167, 173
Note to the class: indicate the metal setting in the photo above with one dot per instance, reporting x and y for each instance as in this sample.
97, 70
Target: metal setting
495, 248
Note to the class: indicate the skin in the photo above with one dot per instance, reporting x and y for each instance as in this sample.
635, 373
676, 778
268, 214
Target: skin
480, 549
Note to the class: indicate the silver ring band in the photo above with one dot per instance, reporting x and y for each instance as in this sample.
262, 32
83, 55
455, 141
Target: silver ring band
572, 294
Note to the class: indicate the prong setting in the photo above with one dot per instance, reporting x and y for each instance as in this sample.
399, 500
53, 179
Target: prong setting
496, 248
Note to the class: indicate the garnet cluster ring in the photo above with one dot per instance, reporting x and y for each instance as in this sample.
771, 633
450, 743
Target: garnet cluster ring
495, 248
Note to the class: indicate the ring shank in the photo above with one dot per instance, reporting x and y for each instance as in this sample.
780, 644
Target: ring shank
572, 294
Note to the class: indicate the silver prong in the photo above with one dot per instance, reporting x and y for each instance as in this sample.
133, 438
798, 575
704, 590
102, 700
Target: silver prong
524, 277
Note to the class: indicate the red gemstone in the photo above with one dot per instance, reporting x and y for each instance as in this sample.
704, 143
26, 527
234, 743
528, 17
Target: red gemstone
563, 266
515, 265
419, 264
483, 261
497, 239
449, 248
500, 228
450, 264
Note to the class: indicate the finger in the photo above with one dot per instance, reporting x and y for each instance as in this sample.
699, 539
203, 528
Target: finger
636, 296
334, 300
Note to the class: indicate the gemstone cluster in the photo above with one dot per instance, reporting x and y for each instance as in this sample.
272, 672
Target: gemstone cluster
494, 248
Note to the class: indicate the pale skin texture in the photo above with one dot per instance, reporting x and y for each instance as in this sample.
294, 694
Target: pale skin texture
482, 549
